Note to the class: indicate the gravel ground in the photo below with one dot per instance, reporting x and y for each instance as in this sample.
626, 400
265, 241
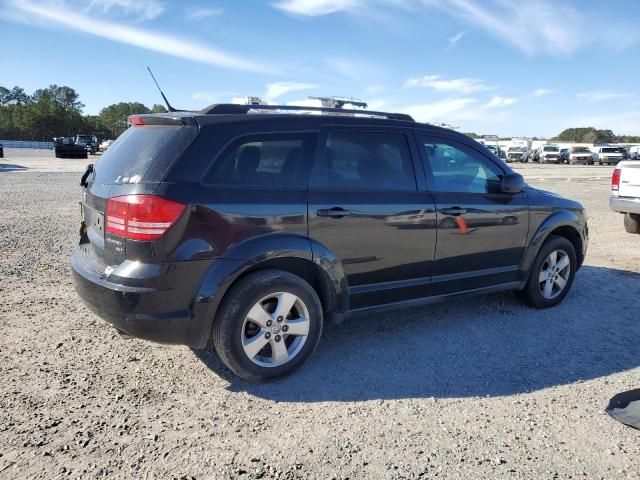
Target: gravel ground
478, 388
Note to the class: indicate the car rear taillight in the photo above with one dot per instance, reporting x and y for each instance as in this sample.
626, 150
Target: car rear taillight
141, 217
615, 180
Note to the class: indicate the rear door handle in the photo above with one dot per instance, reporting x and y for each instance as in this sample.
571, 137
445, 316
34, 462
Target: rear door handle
454, 211
335, 212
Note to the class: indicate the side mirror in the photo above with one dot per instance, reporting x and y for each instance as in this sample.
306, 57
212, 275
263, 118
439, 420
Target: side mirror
512, 182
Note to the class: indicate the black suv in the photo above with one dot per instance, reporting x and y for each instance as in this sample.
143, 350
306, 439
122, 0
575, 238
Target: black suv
251, 225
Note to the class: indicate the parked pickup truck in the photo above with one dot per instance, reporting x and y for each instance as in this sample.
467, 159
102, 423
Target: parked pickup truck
625, 194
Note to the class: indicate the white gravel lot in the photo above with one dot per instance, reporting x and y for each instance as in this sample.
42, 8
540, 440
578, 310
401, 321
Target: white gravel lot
478, 388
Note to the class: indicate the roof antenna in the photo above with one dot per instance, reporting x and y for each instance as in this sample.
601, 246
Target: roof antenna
169, 107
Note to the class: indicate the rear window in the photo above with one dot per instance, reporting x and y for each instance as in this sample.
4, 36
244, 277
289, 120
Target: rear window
143, 153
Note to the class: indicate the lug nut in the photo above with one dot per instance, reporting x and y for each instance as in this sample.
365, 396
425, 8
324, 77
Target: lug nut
280, 319
269, 322
267, 335
277, 338
285, 328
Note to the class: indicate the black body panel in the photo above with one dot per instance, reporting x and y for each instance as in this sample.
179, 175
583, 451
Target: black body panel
386, 247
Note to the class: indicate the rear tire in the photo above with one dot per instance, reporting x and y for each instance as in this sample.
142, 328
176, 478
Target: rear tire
550, 280
632, 222
249, 331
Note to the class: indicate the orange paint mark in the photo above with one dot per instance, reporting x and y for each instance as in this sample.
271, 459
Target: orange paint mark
462, 225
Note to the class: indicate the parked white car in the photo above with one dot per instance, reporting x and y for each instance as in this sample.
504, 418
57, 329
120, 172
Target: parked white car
625, 194
548, 154
580, 156
607, 155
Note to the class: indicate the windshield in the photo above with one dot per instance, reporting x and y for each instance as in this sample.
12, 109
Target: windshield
610, 150
517, 149
581, 150
550, 149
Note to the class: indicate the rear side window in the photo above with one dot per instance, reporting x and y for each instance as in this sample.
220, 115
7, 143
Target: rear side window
140, 151
366, 161
274, 160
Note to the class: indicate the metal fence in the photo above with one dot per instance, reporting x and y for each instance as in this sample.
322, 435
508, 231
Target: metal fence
25, 144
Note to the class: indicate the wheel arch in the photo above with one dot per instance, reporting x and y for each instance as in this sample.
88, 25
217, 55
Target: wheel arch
283, 251
563, 223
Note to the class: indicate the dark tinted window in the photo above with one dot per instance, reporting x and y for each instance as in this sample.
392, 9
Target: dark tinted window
453, 167
261, 160
371, 160
133, 154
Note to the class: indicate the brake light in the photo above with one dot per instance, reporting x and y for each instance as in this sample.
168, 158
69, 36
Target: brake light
136, 120
615, 180
141, 217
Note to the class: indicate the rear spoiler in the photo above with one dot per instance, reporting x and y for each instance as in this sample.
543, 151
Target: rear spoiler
160, 119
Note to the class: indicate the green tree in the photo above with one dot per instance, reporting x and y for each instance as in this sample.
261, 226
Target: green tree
158, 109
114, 117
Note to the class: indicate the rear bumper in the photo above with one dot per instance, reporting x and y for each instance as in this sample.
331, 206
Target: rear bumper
160, 312
625, 204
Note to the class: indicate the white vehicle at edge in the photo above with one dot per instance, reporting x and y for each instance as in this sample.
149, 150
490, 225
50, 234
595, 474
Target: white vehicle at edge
606, 154
625, 193
548, 154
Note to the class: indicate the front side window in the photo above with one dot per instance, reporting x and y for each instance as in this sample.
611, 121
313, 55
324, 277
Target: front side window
365, 161
262, 160
452, 167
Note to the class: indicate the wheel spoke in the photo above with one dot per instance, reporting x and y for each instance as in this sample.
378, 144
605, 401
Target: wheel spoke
254, 344
563, 262
560, 282
279, 354
544, 274
259, 315
299, 326
553, 258
285, 304
548, 289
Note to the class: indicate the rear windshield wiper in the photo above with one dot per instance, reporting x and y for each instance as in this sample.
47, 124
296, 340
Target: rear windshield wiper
85, 175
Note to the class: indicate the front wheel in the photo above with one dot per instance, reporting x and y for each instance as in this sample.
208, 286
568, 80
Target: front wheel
269, 323
552, 273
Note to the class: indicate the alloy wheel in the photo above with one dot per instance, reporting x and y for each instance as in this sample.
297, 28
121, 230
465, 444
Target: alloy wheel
554, 274
275, 329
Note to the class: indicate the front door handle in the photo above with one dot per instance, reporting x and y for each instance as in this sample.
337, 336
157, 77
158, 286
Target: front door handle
454, 211
335, 212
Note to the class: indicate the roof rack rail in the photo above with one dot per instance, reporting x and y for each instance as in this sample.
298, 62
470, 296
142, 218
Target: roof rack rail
233, 108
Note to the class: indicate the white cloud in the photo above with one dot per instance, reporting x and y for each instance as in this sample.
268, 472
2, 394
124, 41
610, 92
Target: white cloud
541, 92
498, 101
203, 97
314, 8
275, 90
599, 96
440, 111
48, 13
533, 27
197, 13
453, 41
462, 85
141, 9
622, 123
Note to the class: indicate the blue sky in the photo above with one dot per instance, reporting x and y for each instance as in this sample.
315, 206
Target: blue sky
495, 66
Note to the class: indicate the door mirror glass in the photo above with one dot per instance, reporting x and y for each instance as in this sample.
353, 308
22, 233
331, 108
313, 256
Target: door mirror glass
512, 182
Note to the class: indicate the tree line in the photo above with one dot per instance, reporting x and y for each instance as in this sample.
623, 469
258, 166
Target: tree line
581, 135
56, 111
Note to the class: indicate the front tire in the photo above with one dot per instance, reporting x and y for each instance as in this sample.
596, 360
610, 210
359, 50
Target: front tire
632, 222
269, 323
552, 273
